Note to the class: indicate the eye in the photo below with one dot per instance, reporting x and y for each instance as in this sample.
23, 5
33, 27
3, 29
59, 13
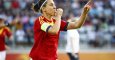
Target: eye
51, 4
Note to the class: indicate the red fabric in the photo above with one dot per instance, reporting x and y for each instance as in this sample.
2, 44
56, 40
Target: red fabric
15, 4
45, 44
5, 32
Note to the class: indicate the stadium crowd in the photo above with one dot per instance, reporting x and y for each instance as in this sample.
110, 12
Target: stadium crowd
98, 30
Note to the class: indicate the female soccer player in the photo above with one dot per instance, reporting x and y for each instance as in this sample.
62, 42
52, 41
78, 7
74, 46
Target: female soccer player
72, 46
47, 28
4, 32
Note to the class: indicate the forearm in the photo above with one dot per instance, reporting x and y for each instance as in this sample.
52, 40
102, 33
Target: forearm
80, 22
55, 28
11, 38
7, 47
84, 14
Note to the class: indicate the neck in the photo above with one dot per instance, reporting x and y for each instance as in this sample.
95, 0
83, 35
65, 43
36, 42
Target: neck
47, 16
1, 27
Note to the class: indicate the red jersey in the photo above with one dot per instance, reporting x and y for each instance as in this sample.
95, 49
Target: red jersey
45, 44
4, 31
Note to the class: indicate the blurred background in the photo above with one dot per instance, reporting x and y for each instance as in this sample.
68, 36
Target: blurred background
97, 35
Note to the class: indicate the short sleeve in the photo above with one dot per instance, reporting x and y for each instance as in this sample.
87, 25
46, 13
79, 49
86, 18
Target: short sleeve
63, 26
40, 24
37, 25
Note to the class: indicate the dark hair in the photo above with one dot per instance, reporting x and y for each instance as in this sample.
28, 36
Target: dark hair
37, 7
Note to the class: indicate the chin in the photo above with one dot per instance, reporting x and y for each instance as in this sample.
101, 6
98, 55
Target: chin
53, 14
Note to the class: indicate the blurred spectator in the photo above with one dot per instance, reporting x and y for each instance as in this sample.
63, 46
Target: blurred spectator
1, 3
101, 15
15, 4
112, 3
22, 4
75, 6
20, 34
29, 35
113, 39
110, 20
7, 4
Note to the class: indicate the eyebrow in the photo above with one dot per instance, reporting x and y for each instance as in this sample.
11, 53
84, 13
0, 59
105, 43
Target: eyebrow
52, 3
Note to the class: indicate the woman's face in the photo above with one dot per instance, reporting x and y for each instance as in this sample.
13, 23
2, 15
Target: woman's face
50, 8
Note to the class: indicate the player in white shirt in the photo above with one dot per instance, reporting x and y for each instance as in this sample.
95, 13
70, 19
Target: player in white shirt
72, 47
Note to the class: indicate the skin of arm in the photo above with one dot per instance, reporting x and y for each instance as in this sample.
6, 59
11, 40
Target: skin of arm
11, 38
7, 47
55, 28
79, 23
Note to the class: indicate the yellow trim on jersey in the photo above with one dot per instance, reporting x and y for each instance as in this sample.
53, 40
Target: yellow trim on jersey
51, 23
44, 26
41, 20
1, 30
8, 29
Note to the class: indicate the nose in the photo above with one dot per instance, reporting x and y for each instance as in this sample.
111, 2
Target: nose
54, 7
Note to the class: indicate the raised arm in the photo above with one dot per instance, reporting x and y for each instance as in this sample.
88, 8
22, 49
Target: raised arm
55, 28
79, 23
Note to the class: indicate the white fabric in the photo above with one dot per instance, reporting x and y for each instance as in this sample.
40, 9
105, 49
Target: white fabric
72, 41
2, 55
20, 35
30, 58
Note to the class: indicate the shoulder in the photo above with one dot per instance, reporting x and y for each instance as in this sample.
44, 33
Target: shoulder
7, 29
39, 20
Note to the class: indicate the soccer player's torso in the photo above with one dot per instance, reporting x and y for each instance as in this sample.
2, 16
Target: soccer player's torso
2, 38
45, 43
47, 37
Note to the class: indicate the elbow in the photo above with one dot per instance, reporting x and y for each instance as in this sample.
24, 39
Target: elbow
54, 32
78, 26
11, 38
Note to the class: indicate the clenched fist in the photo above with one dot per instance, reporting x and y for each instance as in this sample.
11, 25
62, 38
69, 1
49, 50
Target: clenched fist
59, 12
87, 7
